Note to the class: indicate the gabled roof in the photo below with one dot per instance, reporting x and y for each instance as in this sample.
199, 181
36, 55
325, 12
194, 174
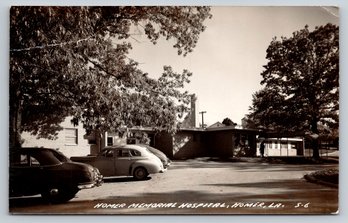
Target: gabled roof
216, 125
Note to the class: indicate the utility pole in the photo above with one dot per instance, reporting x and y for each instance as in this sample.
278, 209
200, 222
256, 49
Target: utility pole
202, 113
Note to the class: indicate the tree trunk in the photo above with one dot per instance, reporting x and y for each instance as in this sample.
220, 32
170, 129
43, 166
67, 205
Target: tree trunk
15, 123
315, 139
315, 146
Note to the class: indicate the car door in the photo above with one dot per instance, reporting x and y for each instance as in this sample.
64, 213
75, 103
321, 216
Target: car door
105, 162
26, 175
123, 162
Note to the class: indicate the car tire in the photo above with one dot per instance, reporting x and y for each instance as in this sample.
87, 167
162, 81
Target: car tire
140, 173
62, 195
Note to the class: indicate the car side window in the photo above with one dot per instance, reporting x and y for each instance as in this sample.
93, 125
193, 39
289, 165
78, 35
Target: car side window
34, 162
27, 160
108, 153
135, 153
34, 159
123, 153
24, 160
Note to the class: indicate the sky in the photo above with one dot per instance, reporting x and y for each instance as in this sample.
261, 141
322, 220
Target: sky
230, 54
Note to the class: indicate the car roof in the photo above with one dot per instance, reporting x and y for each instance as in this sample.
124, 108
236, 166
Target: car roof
17, 149
126, 146
152, 149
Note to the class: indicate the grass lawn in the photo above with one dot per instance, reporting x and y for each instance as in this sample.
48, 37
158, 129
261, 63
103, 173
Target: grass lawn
327, 176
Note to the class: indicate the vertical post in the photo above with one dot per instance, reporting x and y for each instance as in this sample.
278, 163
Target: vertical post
287, 148
267, 147
202, 113
280, 146
303, 146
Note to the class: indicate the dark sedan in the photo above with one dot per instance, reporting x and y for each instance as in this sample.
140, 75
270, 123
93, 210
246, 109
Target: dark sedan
49, 173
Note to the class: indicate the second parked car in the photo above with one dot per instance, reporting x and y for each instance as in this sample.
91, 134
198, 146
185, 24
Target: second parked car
164, 159
125, 160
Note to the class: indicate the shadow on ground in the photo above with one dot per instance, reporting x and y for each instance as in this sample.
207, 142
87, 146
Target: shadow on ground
26, 201
288, 194
122, 179
271, 160
243, 166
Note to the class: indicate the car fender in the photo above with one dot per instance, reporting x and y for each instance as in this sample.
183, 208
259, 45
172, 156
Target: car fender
149, 165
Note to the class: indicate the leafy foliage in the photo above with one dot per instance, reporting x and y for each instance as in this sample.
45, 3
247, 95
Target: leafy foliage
301, 83
228, 122
73, 61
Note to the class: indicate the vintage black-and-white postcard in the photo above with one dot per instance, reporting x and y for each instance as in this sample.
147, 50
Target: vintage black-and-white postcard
138, 110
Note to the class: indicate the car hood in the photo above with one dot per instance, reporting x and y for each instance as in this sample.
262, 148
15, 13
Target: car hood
77, 166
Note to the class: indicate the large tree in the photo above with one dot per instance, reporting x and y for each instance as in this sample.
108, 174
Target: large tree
301, 84
73, 61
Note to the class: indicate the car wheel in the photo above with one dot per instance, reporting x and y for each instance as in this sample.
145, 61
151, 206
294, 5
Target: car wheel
140, 173
59, 194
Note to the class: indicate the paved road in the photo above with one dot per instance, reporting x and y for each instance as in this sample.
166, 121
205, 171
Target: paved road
201, 187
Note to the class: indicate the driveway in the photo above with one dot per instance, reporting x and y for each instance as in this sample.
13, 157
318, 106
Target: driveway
202, 187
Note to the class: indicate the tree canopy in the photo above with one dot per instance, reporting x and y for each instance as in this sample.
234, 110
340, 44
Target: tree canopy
73, 61
228, 122
301, 83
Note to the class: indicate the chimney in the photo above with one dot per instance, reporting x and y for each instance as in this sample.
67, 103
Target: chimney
190, 119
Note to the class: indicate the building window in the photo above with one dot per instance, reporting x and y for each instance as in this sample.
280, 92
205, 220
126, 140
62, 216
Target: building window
284, 145
71, 136
268, 145
293, 146
110, 141
135, 152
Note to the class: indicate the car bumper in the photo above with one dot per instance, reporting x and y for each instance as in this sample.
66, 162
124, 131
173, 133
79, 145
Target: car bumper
163, 170
98, 182
86, 186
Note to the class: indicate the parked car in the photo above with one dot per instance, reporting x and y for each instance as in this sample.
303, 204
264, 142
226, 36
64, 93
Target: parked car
164, 159
49, 173
124, 160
